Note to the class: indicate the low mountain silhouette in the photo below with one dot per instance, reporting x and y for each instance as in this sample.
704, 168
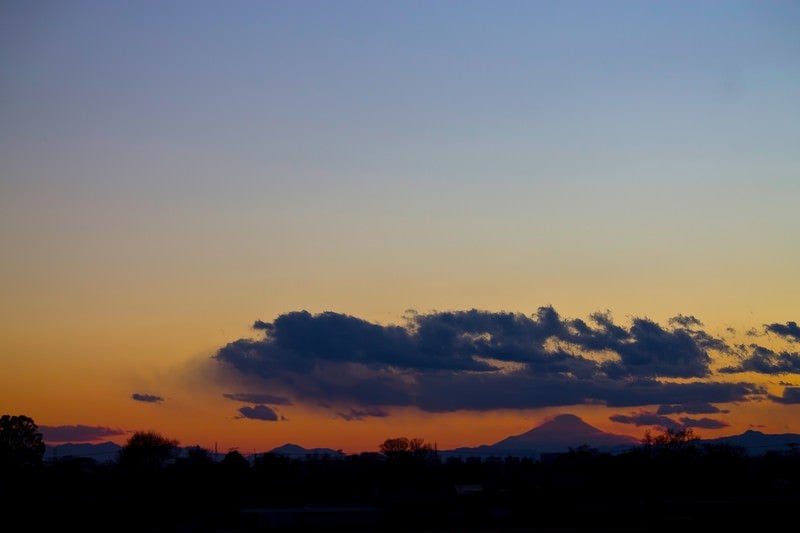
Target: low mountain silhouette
563, 432
297, 451
105, 452
758, 443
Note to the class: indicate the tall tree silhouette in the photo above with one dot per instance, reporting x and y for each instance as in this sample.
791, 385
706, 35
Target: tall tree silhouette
21, 444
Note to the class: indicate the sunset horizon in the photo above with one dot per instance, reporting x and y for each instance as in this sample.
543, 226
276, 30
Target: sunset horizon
246, 224
484, 345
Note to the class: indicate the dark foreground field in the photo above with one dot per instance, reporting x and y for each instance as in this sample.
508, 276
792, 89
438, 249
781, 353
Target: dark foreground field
644, 490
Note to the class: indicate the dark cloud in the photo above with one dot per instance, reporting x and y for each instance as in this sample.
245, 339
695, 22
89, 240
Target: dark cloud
685, 321
147, 398
791, 395
78, 433
300, 338
438, 393
697, 408
703, 423
510, 337
790, 330
260, 412
707, 342
647, 349
605, 335
257, 397
647, 419
480, 360
650, 392
766, 361
360, 414
654, 351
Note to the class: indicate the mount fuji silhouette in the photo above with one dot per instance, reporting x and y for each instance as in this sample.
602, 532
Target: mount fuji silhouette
559, 434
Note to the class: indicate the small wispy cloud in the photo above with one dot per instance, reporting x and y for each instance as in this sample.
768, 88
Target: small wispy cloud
645, 418
257, 397
703, 423
260, 412
146, 398
360, 414
699, 408
78, 433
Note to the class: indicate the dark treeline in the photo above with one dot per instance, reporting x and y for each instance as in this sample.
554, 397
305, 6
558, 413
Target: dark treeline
669, 482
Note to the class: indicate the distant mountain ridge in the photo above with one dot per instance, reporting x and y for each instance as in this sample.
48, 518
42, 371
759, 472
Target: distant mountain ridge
560, 434
557, 435
294, 450
757, 443
109, 451
103, 452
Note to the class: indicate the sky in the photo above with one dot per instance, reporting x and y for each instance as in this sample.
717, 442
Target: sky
247, 223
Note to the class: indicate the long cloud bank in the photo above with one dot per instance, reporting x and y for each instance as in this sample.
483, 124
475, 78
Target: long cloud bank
481, 360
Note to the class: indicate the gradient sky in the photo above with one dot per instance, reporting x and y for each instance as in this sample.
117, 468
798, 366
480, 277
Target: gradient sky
447, 220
